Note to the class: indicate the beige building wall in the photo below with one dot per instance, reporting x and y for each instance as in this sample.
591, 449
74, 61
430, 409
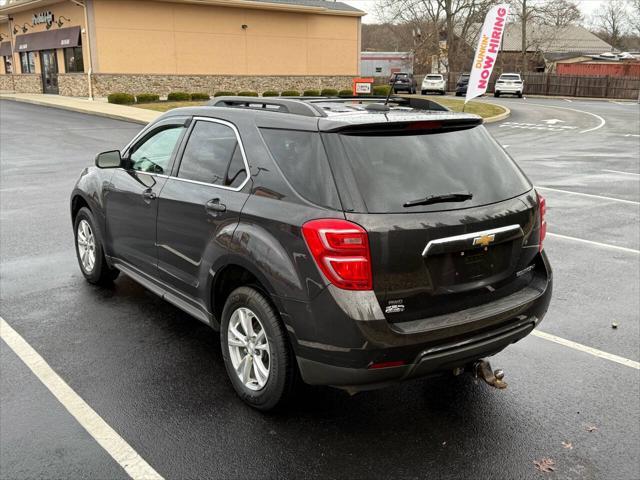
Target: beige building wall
171, 38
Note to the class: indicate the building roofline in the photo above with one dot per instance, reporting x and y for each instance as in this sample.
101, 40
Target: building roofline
252, 4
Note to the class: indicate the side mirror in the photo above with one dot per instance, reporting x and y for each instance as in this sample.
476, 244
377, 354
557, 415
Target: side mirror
110, 159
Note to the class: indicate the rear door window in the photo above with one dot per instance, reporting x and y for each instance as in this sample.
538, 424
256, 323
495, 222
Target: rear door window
301, 157
393, 169
213, 155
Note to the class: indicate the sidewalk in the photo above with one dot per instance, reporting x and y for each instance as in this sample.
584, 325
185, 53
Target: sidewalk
83, 105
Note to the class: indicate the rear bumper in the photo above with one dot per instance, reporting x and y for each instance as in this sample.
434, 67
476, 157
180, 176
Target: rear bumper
340, 335
433, 88
429, 361
509, 88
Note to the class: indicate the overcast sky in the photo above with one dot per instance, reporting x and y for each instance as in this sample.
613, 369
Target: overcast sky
587, 7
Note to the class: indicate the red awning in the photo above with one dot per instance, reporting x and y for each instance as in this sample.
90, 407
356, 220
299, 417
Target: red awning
48, 40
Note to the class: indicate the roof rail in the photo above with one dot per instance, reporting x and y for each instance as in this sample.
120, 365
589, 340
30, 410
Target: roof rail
284, 105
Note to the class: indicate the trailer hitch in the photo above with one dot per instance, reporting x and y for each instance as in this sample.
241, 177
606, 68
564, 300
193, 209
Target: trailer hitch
482, 369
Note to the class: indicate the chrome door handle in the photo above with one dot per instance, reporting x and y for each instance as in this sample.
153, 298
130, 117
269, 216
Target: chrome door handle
149, 195
215, 206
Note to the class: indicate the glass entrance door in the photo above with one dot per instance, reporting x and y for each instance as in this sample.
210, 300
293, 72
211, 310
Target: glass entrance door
49, 64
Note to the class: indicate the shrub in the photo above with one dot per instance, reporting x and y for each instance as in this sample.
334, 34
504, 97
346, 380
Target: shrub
381, 90
311, 93
179, 97
270, 93
200, 96
329, 92
224, 94
345, 93
147, 98
248, 94
121, 98
290, 93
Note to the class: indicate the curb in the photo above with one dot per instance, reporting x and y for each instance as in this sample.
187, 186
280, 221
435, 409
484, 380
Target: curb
88, 111
501, 116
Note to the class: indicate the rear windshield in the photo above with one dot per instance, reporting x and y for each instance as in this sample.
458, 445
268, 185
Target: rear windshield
509, 77
390, 170
434, 77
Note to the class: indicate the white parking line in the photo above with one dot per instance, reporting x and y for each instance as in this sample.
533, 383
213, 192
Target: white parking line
107, 437
624, 173
569, 192
602, 120
583, 348
591, 242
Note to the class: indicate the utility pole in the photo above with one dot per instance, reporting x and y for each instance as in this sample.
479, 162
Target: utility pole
524, 19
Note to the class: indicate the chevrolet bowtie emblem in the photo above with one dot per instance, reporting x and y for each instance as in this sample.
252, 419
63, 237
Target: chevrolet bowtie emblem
483, 240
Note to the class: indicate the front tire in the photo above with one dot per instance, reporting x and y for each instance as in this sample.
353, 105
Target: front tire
256, 350
89, 250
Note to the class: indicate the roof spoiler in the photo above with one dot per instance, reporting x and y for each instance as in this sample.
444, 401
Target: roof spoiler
423, 125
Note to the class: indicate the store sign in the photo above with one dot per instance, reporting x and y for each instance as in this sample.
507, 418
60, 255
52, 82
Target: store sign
363, 88
42, 17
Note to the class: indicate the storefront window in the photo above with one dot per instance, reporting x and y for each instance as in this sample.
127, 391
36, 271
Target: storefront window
8, 64
73, 60
28, 62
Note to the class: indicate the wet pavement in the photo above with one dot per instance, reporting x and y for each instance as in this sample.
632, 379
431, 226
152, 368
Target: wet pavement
156, 375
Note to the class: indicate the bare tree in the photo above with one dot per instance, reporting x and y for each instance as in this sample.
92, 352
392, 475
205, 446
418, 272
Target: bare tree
611, 21
561, 13
453, 18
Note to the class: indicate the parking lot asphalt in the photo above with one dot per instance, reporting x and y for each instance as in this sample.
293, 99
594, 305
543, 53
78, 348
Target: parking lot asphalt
156, 375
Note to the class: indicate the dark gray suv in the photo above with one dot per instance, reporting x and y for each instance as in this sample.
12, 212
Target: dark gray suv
344, 242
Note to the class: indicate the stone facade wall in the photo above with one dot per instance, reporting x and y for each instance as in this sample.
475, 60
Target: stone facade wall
6, 83
104, 84
73, 84
27, 83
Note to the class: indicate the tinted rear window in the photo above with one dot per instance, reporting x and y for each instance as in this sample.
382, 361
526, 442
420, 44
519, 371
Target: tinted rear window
509, 77
303, 161
393, 169
434, 77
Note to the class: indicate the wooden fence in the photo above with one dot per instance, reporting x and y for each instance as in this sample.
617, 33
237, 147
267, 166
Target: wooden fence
570, 85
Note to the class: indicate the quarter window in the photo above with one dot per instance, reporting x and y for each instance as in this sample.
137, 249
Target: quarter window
303, 161
73, 61
28, 62
213, 155
154, 153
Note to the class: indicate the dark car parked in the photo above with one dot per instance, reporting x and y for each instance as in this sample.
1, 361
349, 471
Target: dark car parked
404, 82
340, 241
461, 85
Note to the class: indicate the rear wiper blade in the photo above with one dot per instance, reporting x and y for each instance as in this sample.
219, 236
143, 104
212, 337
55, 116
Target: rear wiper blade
431, 199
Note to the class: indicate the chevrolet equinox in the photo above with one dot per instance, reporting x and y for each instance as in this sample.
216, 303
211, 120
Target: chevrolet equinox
345, 242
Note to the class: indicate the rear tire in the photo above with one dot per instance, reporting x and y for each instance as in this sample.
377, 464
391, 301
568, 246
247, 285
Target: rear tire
519, 94
89, 250
423, 92
256, 350
496, 94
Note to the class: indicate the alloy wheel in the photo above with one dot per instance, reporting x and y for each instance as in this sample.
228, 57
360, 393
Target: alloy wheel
86, 246
249, 348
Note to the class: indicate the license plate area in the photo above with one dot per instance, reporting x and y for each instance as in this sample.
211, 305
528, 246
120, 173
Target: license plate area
463, 267
472, 260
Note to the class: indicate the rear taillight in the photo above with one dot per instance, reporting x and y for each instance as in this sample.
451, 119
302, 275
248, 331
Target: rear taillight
341, 251
542, 209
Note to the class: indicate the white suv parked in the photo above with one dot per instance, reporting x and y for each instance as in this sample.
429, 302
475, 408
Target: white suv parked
509, 83
433, 82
